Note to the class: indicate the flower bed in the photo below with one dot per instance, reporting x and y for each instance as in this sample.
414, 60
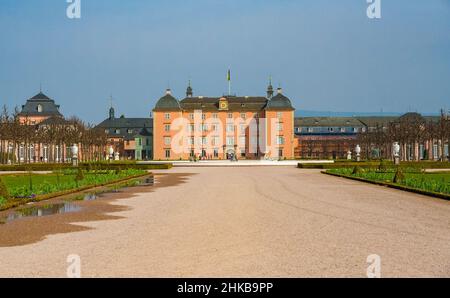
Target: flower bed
24, 188
434, 184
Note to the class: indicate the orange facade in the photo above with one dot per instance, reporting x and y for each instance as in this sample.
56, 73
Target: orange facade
220, 128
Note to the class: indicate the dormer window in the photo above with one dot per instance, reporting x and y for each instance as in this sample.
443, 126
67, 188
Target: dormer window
39, 108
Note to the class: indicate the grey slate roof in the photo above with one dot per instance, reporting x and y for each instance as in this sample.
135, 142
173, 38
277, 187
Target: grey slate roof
235, 103
145, 132
55, 121
412, 117
49, 108
279, 102
367, 121
128, 127
167, 103
328, 122
40, 96
374, 121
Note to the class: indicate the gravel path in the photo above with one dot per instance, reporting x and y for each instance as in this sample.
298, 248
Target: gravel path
254, 221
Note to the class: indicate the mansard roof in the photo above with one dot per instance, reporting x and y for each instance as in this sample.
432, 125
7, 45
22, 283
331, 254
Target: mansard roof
126, 128
327, 122
235, 103
40, 105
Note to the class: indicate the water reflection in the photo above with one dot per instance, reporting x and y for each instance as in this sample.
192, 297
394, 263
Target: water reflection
46, 210
68, 206
149, 181
90, 197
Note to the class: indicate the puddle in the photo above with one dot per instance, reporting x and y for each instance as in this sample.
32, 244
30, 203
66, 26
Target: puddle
88, 206
90, 197
46, 210
68, 206
150, 181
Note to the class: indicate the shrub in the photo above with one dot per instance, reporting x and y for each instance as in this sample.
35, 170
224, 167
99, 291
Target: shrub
382, 167
399, 176
417, 165
85, 165
58, 179
356, 170
30, 178
4, 193
118, 170
80, 176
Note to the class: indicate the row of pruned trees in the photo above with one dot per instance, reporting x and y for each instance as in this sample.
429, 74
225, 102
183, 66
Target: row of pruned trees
413, 132
49, 141
335, 148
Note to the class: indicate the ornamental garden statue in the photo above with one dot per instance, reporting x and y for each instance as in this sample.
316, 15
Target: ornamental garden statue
396, 151
75, 155
358, 153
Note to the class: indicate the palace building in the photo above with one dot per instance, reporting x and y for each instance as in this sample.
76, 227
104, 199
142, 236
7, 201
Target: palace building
130, 137
246, 127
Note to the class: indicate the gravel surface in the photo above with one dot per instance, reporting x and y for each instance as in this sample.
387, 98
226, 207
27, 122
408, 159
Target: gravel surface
252, 222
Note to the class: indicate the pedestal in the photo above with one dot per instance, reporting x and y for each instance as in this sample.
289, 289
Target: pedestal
75, 162
358, 158
396, 160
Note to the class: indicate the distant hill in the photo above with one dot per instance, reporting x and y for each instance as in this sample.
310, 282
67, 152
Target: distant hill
306, 113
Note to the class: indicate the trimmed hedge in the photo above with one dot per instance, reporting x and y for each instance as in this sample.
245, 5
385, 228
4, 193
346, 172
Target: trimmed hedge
125, 165
376, 164
392, 185
15, 202
85, 166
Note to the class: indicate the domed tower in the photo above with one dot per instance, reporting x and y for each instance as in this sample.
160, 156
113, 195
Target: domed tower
279, 113
166, 113
279, 102
167, 103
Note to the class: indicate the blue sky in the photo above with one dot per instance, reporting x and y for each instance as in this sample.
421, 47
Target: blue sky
327, 55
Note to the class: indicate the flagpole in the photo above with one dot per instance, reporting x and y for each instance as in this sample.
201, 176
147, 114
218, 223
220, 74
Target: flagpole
229, 82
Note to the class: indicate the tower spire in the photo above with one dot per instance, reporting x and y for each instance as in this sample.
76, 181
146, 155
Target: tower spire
111, 109
189, 91
270, 88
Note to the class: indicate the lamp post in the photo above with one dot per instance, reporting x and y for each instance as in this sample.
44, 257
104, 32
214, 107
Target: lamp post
75, 155
358, 153
396, 151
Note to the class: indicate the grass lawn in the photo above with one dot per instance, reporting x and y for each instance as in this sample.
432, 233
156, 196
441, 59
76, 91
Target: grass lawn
435, 182
32, 185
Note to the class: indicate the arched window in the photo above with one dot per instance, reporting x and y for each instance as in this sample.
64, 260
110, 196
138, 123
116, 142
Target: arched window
39, 108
